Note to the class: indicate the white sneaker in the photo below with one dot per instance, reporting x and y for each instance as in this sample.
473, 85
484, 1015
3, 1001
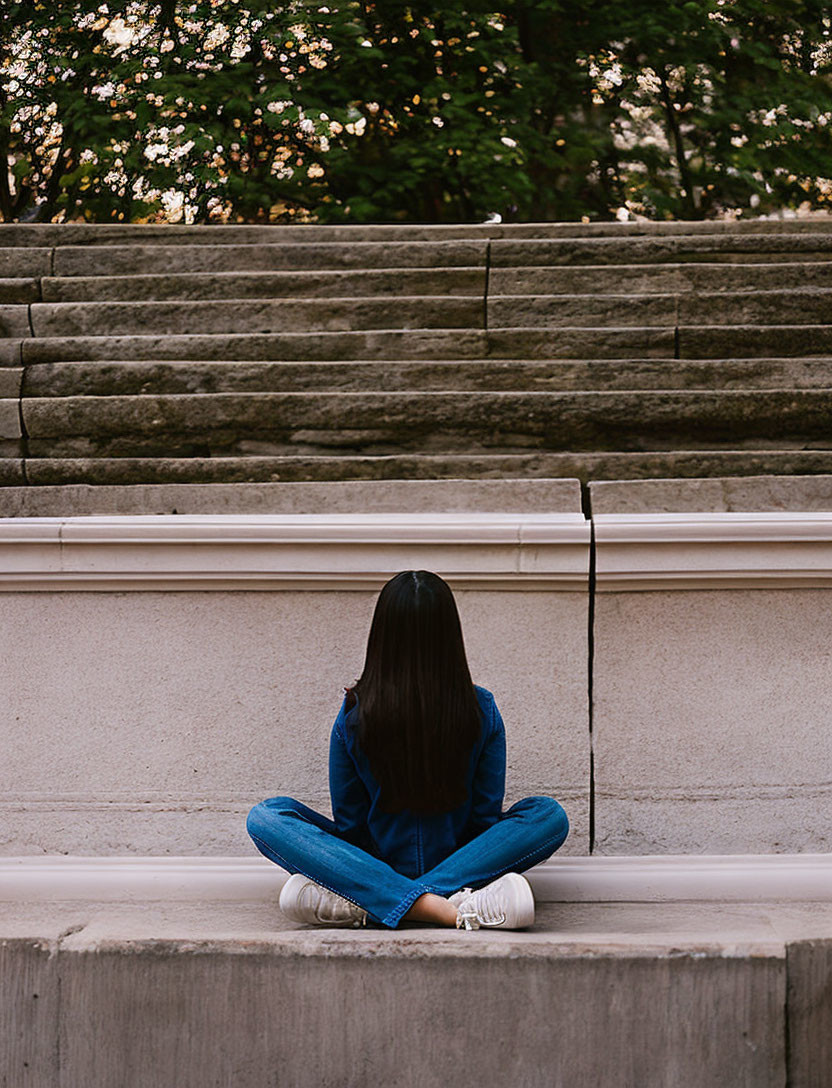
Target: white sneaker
505, 903
302, 900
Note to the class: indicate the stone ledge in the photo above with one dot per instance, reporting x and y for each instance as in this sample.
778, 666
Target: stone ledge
296, 497
145, 996
298, 551
722, 494
713, 550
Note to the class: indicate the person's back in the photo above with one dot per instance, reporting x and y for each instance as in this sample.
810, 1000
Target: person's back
417, 778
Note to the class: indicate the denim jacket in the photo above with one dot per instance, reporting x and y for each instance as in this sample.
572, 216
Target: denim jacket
413, 844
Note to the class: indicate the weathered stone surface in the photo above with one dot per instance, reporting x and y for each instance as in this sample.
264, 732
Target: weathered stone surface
10, 381
280, 423
264, 285
271, 1017
386, 344
11, 472
106, 378
346, 496
706, 984
14, 321
797, 307
661, 278
577, 311
19, 290
213, 257
23, 259
254, 315
582, 343
585, 466
57, 234
731, 246
710, 713
9, 419
717, 341
725, 493
29, 1001
803, 306
809, 1006
10, 352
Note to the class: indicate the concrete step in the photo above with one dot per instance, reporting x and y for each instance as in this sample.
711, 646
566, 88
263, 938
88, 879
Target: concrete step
694, 995
133, 471
150, 259
200, 286
801, 306
659, 278
382, 344
224, 424
255, 315
688, 342
669, 495
564, 280
539, 251
55, 234
18, 290
298, 497
114, 377
144, 257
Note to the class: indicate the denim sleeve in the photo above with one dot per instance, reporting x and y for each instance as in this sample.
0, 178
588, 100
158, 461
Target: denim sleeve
490, 776
349, 796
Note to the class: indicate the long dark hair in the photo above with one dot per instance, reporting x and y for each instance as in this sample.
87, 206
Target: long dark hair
418, 712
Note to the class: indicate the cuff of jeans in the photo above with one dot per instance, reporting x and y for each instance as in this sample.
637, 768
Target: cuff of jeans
398, 912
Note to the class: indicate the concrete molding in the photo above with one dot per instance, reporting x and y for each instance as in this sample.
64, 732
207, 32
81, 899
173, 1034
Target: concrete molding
646, 879
299, 551
507, 551
776, 550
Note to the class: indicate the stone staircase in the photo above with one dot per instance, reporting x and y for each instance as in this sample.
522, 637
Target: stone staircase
320, 407
139, 354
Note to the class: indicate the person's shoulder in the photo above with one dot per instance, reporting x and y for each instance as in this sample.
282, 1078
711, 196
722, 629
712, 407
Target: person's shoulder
488, 707
483, 695
347, 718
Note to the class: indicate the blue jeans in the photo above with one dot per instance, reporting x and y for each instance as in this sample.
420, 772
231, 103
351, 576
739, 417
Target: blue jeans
302, 841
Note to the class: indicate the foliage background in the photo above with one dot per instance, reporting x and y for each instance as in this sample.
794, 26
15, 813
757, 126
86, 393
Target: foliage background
218, 110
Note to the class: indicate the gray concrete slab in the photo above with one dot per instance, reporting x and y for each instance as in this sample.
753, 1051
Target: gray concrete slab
271, 424
378, 344
9, 418
41, 471
24, 259
11, 473
745, 341
259, 285
11, 378
14, 321
203, 993
315, 497
251, 315
213, 256
17, 289
716, 495
29, 1008
659, 278
118, 377
809, 1004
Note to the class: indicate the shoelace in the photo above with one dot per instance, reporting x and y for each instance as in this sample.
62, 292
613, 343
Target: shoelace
479, 908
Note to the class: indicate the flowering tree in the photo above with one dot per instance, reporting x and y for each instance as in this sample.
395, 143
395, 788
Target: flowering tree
219, 110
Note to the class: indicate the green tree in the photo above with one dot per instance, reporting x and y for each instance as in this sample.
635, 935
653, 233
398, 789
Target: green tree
369, 111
